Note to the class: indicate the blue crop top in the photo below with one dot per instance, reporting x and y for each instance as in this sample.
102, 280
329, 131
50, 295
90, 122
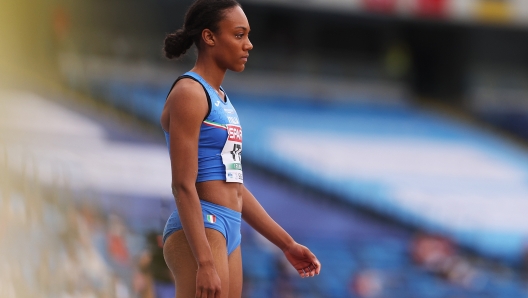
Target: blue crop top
220, 142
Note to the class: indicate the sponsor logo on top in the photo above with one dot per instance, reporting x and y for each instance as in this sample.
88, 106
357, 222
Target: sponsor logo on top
234, 133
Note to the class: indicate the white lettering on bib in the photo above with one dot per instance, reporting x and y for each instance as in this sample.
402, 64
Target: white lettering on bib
232, 154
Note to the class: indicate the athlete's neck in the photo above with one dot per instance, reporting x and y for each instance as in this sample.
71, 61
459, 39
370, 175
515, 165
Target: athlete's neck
210, 72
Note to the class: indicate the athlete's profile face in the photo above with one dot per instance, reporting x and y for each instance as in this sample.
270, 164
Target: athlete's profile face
232, 40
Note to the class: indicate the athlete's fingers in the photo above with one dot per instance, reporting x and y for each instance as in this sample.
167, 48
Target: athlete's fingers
306, 272
217, 294
316, 269
315, 263
198, 293
311, 270
301, 272
211, 293
317, 266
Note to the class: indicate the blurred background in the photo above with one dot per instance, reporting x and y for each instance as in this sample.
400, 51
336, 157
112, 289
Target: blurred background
389, 136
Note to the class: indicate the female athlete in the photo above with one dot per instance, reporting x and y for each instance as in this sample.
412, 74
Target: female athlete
204, 136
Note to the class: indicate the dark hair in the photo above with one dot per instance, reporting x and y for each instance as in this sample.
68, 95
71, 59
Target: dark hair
203, 14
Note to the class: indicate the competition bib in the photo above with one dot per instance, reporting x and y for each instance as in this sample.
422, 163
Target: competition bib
232, 154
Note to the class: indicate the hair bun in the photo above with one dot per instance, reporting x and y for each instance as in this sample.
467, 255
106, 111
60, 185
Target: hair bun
177, 43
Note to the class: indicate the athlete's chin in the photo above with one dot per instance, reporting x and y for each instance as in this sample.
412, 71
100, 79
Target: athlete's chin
239, 68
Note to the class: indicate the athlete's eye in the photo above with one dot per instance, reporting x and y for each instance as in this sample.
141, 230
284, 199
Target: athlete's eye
240, 35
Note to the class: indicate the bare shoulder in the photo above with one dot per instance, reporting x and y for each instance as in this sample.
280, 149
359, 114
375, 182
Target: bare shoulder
187, 91
187, 96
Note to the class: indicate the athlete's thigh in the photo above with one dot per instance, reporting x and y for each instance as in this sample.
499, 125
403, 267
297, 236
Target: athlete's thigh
235, 273
180, 260
219, 250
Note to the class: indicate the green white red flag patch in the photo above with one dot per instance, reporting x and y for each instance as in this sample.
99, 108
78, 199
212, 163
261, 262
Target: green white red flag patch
211, 218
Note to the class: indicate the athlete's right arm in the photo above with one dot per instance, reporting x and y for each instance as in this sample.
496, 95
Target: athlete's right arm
187, 106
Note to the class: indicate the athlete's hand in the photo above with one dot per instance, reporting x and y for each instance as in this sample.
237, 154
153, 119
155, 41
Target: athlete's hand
208, 284
303, 260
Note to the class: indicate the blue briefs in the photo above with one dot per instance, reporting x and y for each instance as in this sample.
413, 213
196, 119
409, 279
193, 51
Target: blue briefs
220, 218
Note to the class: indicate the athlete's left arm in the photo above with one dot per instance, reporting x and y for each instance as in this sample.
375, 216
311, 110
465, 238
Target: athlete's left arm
301, 258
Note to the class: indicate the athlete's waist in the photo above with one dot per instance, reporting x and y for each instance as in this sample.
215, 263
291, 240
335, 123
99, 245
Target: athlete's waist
220, 192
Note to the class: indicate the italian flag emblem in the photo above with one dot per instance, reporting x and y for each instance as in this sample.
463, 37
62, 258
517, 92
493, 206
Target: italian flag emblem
211, 218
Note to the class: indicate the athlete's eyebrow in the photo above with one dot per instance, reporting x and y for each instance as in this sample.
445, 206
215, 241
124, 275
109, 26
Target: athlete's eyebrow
241, 27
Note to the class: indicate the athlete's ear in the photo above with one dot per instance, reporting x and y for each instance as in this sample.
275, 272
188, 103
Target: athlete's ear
208, 37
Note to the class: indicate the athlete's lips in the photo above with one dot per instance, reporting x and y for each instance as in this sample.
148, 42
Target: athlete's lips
245, 58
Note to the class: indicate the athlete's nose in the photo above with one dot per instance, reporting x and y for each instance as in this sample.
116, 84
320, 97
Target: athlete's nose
249, 45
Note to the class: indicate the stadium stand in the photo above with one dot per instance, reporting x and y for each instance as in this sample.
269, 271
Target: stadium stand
446, 159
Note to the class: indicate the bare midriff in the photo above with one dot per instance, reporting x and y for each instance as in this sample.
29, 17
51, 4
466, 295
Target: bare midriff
227, 194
